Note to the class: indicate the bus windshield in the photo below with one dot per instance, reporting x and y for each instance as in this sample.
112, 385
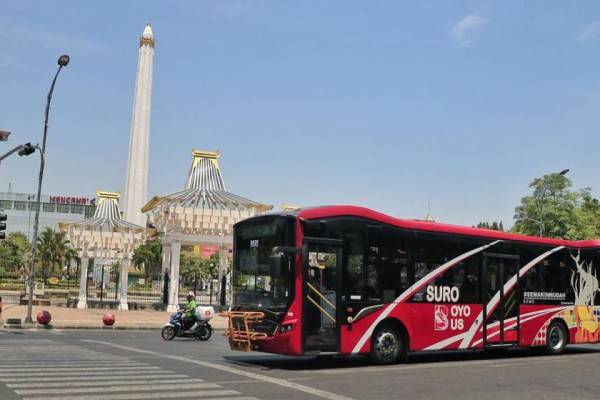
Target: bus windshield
253, 285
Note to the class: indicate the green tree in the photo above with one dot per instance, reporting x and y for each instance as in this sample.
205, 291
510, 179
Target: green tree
554, 210
147, 258
14, 252
496, 226
193, 269
70, 255
45, 252
53, 249
61, 250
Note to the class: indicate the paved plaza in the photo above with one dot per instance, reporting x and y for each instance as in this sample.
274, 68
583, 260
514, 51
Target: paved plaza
127, 365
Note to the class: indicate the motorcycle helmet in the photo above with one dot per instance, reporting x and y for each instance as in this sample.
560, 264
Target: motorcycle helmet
190, 296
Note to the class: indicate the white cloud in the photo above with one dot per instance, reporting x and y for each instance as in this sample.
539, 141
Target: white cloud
460, 31
591, 31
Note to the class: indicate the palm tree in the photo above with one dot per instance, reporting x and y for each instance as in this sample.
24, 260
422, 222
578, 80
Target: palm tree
70, 255
193, 269
61, 244
148, 258
45, 249
53, 249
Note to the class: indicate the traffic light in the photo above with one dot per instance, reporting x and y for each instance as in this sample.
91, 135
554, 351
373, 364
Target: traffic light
26, 149
3, 217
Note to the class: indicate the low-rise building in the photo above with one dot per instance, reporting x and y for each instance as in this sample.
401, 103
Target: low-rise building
20, 209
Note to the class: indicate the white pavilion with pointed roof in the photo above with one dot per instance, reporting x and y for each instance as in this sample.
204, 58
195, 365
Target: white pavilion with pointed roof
105, 236
204, 212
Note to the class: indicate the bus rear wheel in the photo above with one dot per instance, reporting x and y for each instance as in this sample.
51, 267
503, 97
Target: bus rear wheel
387, 345
556, 339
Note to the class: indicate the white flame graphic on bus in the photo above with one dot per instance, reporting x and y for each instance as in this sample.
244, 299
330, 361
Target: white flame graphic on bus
440, 322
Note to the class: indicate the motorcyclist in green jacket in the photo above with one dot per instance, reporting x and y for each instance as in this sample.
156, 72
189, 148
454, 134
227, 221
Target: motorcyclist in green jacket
189, 312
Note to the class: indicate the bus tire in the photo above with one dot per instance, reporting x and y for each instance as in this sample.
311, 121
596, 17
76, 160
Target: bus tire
388, 345
556, 338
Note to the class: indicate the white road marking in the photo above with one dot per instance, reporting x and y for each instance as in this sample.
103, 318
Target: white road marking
28, 346
21, 341
38, 365
141, 396
17, 361
49, 344
42, 350
231, 370
76, 373
509, 364
50, 369
102, 384
163, 375
122, 388
50, 358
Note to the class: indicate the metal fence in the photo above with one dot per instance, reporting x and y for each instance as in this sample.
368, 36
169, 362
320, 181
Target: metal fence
102, 290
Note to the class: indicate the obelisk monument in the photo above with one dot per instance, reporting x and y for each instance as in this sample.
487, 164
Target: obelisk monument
136, 187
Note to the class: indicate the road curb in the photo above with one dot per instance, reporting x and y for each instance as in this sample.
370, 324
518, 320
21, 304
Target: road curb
90, 327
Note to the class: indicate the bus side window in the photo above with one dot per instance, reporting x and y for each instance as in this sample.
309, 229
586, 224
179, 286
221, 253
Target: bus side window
465, 276
353, 267
421, 269
387, 264
429, 253
533, 280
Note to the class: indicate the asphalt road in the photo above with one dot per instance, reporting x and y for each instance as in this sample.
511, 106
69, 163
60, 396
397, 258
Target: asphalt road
127, 365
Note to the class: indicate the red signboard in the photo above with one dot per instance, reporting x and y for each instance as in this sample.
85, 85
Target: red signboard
73, 200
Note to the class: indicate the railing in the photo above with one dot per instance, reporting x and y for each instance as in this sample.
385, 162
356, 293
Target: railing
240, 331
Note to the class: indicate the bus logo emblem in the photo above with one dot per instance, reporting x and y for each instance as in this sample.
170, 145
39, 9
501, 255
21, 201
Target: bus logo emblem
440, 318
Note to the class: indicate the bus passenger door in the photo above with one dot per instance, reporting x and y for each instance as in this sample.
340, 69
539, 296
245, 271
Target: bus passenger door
500, 300
320, 296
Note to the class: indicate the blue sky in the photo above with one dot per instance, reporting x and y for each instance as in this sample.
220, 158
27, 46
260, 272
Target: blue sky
391, 105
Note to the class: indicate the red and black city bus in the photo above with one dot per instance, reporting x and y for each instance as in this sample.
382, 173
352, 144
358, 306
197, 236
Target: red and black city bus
349, 280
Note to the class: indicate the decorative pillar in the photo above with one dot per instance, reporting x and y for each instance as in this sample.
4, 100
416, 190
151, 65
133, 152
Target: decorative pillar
222, 273
123, 284
83, 269
174, 275
166, 268
166, 262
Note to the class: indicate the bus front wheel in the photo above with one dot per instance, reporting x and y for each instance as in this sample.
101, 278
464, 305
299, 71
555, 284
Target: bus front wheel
387, 345
556, 338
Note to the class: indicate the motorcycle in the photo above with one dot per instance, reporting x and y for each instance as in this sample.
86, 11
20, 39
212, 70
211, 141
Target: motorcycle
201, 329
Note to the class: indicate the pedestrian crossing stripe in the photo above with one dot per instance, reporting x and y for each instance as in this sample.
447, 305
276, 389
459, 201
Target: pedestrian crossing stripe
122, 388
77, 373
41, 369
113, 382
67, 369
142, 396
91, 378
38, 365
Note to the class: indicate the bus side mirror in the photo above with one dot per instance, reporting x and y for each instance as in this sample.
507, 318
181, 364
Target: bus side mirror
276, 265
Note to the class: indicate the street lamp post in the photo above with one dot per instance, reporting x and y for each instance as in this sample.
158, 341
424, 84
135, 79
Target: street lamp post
541, 201
63, 61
